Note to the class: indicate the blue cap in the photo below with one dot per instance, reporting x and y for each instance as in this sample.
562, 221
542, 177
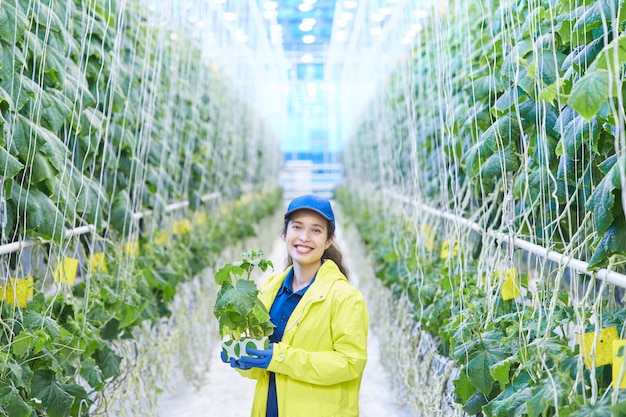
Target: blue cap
311, 202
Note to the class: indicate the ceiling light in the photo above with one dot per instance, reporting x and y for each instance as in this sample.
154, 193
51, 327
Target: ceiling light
416, 27
308, 39
304, 28
341, 23
306, 58
271, 5
421, 14
375, 31
309, 1
351, 4
270, 14
347, 15
230, 17
305, 7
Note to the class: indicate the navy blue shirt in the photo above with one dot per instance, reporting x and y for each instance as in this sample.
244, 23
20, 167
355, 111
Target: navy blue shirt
285, 302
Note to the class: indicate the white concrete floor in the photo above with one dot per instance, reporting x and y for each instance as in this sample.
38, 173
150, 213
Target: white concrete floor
227, 394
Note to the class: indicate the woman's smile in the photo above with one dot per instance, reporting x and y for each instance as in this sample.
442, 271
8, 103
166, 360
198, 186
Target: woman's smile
306, 237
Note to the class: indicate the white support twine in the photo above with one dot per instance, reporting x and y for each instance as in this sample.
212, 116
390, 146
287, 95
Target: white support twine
81, 230
577, 265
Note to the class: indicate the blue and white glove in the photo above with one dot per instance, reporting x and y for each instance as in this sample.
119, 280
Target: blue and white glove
233, 363
261, 358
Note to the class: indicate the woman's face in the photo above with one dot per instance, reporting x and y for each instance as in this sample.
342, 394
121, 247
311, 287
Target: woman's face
306, 237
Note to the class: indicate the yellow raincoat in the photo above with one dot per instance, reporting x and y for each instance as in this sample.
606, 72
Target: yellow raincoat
320, 360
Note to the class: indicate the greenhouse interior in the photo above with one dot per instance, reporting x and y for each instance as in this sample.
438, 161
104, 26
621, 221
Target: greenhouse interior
474, 152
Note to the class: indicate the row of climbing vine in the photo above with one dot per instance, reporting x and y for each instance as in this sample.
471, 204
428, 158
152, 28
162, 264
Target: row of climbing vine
127, 162
510, 115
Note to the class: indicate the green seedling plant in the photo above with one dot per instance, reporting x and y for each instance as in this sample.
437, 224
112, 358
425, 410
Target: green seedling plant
239, 311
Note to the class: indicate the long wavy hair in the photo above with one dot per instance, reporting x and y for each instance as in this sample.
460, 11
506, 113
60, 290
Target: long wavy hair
332, 252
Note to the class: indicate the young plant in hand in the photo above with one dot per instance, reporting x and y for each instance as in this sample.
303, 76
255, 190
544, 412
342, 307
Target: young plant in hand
240, 313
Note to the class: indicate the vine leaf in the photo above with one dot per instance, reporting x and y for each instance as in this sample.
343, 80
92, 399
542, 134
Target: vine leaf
589, 93
463, 388
55, 399
612, 243
240, 298
108, 361
602, 199
13, 23
601, 408
512, 400
9, 165
478, 369
615, 49
12, 401
91, 373
577, 130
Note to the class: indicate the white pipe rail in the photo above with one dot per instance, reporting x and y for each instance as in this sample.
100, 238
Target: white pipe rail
23, 244
567, 261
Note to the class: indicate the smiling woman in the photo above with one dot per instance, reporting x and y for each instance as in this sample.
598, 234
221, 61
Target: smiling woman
318, 350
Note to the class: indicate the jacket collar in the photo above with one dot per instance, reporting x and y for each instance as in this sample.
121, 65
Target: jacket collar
328, 274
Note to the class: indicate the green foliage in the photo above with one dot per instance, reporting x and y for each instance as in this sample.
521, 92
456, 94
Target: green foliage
74, 101
529, 93
60, 350
238, 309
516, 363
101, 118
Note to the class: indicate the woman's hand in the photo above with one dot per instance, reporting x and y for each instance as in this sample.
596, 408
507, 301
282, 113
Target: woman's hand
261, 358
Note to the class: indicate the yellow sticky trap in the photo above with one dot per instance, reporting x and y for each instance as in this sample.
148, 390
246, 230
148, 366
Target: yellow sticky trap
65, 271
131, 248
511, 287
160, 237
603, 347
619, 346
430, 242
428, 236
97, 262
181, 227
19, 291
199, 218
449, 248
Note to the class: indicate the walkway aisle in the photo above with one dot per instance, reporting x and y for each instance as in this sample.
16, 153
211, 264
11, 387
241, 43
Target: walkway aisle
227, 394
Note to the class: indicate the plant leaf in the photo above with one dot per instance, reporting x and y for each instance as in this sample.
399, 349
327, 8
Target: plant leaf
91, 373
613, 55
463, 388
575, 132
12, 402
13, 23
55, 399
478, 370
589, 93
108, 361
240, 298
613, 242
601, 408
602, 199
9, 165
